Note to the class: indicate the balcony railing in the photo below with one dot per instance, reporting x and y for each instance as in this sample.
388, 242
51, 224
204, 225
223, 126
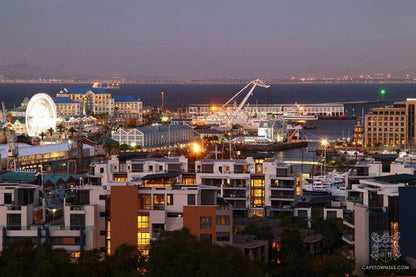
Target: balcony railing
349, 218
348, 236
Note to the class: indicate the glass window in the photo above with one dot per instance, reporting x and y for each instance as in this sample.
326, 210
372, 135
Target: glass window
169, 199
223, 220
191, 199
7, 198
223, 236
206, 237
206, 222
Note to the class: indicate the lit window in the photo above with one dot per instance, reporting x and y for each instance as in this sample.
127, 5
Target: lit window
205, 222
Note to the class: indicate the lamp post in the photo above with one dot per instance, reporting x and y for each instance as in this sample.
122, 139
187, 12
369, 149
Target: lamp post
324, 144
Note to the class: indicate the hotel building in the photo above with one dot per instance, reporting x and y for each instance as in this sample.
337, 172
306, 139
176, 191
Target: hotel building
95, 101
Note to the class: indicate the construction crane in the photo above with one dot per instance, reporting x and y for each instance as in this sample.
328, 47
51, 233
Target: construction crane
255, 83
238, 109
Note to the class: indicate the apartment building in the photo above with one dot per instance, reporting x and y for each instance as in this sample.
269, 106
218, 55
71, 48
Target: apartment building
376, 213
21, 217
139, 214
372, 206
252, 186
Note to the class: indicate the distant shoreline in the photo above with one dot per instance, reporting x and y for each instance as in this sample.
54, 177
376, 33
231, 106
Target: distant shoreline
208, 82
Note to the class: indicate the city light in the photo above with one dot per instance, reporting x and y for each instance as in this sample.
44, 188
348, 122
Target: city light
324, 142
196, 148
382, 91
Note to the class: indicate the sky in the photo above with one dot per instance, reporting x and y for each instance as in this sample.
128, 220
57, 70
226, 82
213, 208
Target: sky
209, 39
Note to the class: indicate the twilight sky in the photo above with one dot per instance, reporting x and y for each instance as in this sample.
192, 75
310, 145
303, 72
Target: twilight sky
209, 38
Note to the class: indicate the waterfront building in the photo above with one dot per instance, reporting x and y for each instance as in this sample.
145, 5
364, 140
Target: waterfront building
127, 108
99, 101
51, 154
65, 106
155, 136
265, 110
77, 122
388, 126
275, 130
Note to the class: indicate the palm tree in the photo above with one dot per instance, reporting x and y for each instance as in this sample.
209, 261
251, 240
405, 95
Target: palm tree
50, 130
61, 128
42, 136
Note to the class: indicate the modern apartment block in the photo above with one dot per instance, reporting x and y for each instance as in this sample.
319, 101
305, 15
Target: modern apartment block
252, 186
139, 214
21, 217
374, 204
391, 125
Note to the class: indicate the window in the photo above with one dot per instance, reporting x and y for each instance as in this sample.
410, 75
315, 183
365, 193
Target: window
169, 199
175, 214
150, 167
7, 198
102, 197
331, 214
101, 170
158, 199
206, 237
223, 236
14, 221
206, 222
143, 221
303, 213
77, 221
223, 220
191, 199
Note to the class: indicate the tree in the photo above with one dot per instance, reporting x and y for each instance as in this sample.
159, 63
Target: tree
50, 130
331, 232
125, 261
181, 254
17, 258
42, 136
333, 265
61, 128
262, 232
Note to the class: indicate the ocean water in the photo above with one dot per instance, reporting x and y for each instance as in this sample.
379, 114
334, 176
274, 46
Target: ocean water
182, 95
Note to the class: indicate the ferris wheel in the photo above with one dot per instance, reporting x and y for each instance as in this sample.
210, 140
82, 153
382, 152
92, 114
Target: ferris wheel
40, 114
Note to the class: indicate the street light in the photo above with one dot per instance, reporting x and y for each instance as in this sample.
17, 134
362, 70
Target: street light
324, 144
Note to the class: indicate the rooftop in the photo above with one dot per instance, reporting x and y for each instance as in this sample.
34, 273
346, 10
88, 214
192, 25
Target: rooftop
124, 98
83, 91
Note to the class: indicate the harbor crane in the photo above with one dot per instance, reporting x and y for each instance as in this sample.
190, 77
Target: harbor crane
237, 111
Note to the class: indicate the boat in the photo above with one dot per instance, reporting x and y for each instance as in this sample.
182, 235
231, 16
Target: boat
333, 182
114, 85
298, 116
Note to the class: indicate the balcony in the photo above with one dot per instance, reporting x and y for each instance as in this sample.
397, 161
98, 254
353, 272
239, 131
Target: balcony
14, 207
355, 199
157, 207
348, 238
349, 220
